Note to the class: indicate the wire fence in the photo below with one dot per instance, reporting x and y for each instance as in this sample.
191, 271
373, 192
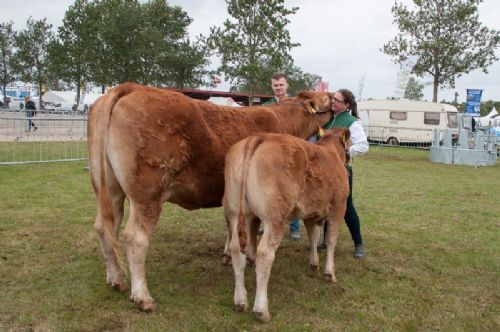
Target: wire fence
422, 138
63, 137
44, 138
403, 137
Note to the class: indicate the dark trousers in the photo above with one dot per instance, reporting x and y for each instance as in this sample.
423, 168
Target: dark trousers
30, 123
351, 216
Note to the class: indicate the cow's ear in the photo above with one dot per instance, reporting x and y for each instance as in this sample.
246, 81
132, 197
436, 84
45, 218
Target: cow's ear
309, 105
304, 95
346, 135
320, 101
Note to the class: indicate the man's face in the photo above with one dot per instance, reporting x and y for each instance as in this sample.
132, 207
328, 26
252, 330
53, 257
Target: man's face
279, 86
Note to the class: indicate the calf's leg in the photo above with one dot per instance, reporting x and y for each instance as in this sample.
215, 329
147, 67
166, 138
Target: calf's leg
239, 262
331, 241
266, 250
313, 231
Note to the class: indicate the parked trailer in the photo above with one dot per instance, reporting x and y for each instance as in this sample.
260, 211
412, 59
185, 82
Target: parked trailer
401, 121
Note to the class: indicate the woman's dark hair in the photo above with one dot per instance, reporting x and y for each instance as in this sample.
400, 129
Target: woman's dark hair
351, 100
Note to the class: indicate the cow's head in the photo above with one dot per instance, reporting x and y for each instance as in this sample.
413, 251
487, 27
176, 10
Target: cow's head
315, 102
342, 140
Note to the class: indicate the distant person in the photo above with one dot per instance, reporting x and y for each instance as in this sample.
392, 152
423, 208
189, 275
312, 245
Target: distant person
342, 102
30, 113
279, 85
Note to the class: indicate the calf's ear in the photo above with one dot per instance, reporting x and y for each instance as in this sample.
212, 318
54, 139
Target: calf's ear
346, 135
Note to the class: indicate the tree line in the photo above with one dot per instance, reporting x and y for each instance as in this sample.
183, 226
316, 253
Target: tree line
107, 42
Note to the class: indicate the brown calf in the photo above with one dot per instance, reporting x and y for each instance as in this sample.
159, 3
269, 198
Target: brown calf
275, 179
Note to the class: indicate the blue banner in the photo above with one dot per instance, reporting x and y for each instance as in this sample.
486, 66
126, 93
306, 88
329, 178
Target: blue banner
473, 103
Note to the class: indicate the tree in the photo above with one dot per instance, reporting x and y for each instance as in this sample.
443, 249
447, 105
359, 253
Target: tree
115, 37
169, 58
446, 37
186, 65
144, 43
69, 60
253, 44
6, 56
301, 81
414, 90
32, 60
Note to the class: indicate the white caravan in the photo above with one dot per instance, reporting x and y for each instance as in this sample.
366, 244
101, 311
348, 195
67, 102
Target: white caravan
401, 121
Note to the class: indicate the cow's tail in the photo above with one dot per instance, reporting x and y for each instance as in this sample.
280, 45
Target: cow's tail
249, 150
103, 113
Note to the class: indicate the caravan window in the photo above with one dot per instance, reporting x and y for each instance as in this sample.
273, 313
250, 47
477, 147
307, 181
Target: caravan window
398, 116
431, 118
452, 120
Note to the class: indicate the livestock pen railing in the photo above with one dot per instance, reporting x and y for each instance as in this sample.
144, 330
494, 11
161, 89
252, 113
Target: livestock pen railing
422, 138
56, 137
63, 137
403, 137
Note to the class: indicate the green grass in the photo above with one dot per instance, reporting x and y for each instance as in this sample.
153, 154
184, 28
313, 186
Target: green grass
431, 232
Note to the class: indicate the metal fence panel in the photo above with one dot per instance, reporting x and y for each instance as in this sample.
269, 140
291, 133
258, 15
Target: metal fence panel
63, 137
56, 137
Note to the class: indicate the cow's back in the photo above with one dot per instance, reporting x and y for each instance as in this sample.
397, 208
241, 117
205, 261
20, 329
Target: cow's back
162, 143
297, 176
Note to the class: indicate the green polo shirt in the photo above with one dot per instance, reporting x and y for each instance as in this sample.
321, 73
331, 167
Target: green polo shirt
273, 100
343, 120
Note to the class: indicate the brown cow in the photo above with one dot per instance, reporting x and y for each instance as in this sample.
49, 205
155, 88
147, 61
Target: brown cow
275, 179
151, 146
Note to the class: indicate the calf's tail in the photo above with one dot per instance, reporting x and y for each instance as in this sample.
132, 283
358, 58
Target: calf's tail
250, 147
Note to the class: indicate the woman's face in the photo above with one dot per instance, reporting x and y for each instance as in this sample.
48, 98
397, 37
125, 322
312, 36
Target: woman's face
337, 103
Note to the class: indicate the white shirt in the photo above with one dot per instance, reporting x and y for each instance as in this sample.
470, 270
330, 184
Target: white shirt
358, 139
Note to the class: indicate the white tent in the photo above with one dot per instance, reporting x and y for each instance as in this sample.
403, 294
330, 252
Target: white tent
90, 98
485, 120
59, 96
225, 101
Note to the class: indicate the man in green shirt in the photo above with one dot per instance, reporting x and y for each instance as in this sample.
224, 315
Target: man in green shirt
279, 84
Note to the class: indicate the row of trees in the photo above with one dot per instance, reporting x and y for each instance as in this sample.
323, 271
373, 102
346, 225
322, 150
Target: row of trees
106, 42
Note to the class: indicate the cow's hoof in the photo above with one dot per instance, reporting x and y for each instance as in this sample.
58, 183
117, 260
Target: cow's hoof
144, 305
120, 286
147, 306
314, 267
262, 316
330, 278
226, 260
250, 261
241, 307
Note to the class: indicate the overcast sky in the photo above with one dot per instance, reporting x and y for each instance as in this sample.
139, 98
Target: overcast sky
340, 40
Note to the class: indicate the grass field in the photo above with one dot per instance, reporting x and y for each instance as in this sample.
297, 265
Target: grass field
432, 234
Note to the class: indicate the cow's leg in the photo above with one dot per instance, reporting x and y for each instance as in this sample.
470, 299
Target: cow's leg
252, 229
266, 250
226, 259
313, 232
114, 272
143, 218
239, 262
331, 241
